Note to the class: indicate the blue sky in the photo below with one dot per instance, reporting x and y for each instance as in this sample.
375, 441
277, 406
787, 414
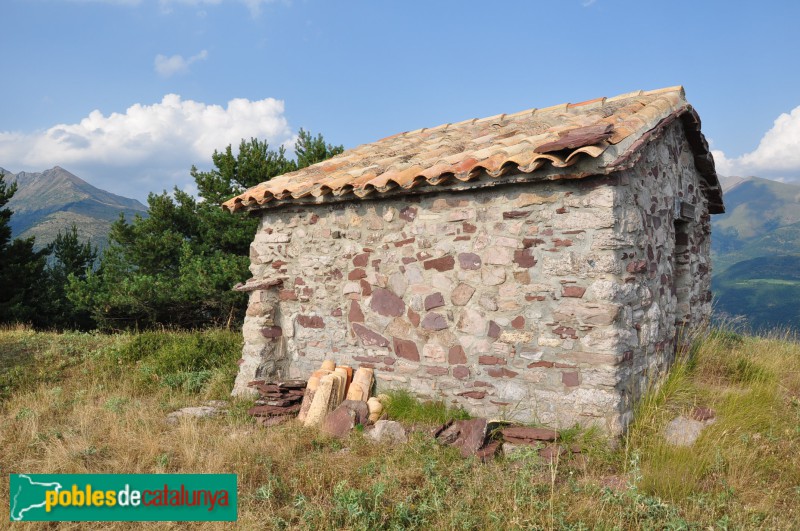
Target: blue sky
128, 94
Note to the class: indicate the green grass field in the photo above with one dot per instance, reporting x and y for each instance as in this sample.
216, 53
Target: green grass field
90, 403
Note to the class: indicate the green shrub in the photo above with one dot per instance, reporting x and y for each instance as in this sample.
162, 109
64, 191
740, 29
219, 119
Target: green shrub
404, 406
184, 361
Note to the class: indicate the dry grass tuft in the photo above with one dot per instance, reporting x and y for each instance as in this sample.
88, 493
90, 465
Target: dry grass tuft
101, 411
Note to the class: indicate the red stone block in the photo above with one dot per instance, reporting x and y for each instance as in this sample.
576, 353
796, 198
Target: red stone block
405, 242
355, 315
516, 214
361, 260
573, 291
445, 263
488, 452
565, 332
369, 337
272, 331
366, 288
434, 321
473, 394
570, 379
405, 348
470, 261
356, 274
413, 317
434, 301
456, 355
461, 372
386, 303
310, 321
531, 242
637, 266
287, 295
501, 372
524, 258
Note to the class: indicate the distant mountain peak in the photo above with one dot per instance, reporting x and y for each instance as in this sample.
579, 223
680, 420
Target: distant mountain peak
50, 201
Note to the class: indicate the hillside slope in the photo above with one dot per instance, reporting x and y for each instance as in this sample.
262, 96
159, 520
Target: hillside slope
51, 201
762, 218
766, 290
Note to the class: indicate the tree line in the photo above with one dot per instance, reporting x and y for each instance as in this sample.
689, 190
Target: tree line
172, 268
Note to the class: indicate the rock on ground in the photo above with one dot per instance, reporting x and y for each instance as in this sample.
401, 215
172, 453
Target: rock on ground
339, 422
210, 409
388, 431
682, 431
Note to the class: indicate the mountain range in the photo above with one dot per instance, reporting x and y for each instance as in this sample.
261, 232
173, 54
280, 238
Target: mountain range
51, 201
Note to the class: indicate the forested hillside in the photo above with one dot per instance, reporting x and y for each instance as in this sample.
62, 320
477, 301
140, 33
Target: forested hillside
756, 253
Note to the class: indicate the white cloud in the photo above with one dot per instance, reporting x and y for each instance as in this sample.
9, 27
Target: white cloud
148, 147
587, 3
777, 154
176, 64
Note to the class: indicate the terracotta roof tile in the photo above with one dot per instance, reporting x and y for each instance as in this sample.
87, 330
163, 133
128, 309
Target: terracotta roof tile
573, 140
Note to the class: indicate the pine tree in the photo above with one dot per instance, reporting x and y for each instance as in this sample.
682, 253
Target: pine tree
22, 271
70, 259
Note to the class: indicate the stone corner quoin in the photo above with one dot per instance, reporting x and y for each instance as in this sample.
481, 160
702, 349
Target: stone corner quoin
549, 302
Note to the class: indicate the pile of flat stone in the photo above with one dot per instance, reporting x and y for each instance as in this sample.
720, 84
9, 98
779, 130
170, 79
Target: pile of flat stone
334, 399
278, 402
486, 439
338, 398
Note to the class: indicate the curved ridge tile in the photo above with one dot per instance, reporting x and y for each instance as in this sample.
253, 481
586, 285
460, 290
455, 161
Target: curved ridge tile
344, 191
593, 151
416, 181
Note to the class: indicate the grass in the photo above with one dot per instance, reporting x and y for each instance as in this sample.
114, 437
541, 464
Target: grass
404, 407
99, 407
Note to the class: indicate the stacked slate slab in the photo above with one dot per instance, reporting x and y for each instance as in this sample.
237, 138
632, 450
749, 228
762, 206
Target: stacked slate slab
278, 401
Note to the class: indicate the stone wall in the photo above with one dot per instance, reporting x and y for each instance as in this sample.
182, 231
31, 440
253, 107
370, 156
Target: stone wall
665, 288
548, 302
